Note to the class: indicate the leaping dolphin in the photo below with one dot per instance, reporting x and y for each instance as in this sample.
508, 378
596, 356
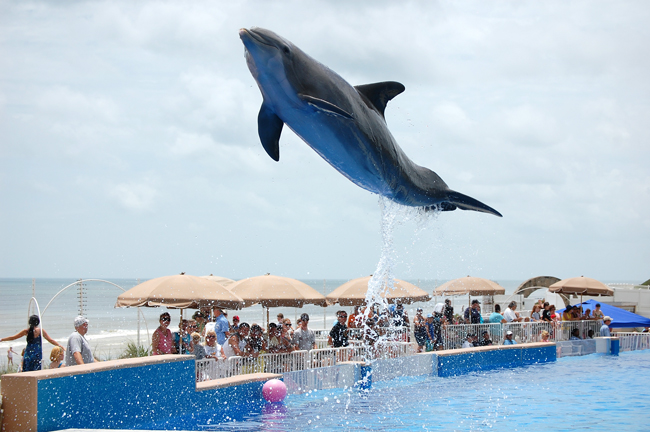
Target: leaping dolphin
343, 124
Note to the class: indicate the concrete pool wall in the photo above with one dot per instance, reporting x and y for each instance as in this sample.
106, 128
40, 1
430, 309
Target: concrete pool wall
148, 392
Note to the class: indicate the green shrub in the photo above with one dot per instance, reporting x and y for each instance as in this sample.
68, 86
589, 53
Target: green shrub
133, 351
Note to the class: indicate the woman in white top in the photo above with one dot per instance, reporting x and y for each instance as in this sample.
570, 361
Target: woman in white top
234, 346
212, 348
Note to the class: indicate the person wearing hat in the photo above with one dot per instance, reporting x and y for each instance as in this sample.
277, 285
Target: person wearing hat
303, 338
604, 329
221, 326
485, 341
473, 314
420, 329
234, 328
469, 341
509, 340
78, 350
567, 315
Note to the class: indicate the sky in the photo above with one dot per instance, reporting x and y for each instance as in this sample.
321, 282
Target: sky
129, 147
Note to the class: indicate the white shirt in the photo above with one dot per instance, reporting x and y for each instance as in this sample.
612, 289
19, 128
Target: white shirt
509, 315
467, 344
213, 351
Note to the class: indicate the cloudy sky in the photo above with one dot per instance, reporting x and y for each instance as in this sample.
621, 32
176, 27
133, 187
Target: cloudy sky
129, 148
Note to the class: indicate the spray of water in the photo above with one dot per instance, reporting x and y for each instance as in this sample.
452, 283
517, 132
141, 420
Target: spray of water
383, 279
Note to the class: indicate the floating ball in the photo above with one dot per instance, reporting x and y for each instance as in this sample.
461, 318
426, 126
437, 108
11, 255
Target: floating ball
274, 390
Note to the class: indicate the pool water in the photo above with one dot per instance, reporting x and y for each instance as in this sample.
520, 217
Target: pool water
594, 392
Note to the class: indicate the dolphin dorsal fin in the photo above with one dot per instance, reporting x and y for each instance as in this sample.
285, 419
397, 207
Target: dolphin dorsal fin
380, 93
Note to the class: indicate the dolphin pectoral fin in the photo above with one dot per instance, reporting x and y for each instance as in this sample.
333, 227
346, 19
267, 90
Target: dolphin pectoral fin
464, 202
269, 128
326, 106
380, 93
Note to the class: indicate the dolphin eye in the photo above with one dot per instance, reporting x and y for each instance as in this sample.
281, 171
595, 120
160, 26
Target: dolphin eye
286, 50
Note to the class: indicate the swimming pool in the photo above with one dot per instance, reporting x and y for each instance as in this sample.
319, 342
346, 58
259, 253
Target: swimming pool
595, 392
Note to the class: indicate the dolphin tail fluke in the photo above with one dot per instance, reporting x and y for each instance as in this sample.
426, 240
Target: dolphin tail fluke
464, 202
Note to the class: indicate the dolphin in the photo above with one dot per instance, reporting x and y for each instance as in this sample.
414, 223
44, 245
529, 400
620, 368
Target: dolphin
345, 125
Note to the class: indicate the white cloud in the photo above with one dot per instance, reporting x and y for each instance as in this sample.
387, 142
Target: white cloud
135, 196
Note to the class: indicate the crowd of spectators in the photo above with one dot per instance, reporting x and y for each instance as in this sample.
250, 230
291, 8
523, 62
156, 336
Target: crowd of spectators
211, 335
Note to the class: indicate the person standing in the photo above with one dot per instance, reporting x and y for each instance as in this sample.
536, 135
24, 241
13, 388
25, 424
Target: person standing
33, 357
10, 357
604, 329
449, 311
473, 314
221, 326
303, 338
161, 340
420, 329
78, 350
496, 317
352, 321
338, 336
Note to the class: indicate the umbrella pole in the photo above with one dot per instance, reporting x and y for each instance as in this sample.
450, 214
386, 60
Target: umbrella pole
267, 317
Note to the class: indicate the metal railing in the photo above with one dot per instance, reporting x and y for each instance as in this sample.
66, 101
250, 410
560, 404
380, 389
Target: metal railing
631, 341
392, 345
453, 336
209, 369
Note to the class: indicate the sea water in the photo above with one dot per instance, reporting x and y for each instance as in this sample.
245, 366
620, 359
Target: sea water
596, 392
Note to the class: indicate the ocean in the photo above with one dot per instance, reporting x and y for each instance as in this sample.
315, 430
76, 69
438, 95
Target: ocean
111, 329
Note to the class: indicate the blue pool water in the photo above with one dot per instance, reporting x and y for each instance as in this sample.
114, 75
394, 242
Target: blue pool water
594, 393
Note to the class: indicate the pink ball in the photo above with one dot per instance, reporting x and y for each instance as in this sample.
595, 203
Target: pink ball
274, 390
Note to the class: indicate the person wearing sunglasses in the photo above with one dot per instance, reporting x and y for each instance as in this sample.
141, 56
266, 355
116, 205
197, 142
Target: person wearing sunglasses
212, 348
161, 341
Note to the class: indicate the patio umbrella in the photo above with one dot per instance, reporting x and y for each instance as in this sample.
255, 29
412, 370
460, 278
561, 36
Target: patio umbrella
469, 286
581, 285
220, 280
179, 291
353, 293
276, 291
472, 286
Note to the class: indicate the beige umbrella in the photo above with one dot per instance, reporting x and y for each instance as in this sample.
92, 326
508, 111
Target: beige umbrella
581, 285
472, 286
353, 293
180, 291
469, 286
220, 280
276, 291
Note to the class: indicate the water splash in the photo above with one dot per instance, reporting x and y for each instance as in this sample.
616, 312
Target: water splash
383, 279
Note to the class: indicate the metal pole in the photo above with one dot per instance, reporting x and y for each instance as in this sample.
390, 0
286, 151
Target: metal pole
138, 283
324, 310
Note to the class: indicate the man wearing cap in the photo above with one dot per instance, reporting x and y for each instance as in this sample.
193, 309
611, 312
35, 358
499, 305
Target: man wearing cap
303, 338
468, 343
486, 341
234, 328
604, 329
78, 350
221, 326
509, 340
473, 314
